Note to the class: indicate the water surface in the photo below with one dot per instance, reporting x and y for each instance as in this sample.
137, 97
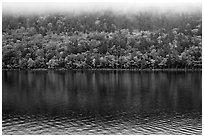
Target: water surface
101, 102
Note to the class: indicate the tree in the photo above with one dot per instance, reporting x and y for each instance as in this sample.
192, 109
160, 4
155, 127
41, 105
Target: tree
30, 63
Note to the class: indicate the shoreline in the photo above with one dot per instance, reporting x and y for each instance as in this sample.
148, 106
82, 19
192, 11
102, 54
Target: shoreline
105, 69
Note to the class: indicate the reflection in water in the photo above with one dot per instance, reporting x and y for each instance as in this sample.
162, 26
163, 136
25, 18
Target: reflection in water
102, 102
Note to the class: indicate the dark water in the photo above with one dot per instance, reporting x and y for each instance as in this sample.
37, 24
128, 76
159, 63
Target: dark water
96, 102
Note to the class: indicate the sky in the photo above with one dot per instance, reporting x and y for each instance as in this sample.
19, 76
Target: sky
77, 6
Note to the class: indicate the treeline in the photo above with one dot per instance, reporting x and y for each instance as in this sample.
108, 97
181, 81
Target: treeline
104, 40
106, 21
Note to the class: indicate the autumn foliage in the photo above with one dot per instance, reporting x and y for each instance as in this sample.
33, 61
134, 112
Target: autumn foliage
102, 41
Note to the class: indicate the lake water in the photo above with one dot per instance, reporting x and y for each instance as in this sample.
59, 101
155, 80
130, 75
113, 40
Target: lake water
101, 102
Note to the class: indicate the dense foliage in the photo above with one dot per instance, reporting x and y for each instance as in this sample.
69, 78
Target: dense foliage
102, 41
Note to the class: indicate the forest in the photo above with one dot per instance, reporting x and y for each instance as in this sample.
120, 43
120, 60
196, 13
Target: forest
102, 40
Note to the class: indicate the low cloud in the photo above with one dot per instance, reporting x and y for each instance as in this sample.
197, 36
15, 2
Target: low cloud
54, 7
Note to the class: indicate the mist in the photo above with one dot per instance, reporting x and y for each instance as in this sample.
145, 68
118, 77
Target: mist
27, 8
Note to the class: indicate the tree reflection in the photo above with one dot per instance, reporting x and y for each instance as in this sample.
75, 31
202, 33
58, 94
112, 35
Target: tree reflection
51, 91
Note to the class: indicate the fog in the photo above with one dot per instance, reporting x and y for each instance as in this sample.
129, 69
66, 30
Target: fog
121, 7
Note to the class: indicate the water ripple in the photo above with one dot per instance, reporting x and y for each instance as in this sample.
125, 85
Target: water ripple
95, 124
